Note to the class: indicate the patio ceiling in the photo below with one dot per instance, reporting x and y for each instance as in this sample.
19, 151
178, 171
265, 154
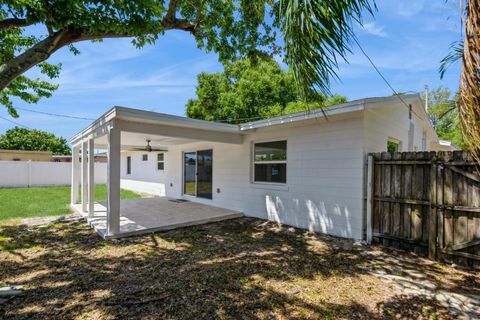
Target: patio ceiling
118, 130
138, 125
133, 139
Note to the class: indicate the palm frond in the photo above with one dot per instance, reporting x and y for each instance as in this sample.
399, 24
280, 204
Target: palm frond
315, 34
455, 55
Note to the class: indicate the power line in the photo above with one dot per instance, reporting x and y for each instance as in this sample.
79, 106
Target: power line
384, 79
15, 123
56, 114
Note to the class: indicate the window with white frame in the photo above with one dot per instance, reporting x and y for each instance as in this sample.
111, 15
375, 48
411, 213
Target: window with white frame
144, 157
270, 161
394, 145
160, 161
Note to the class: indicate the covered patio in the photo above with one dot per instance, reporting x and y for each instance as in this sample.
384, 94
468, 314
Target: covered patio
147, 215
126, 129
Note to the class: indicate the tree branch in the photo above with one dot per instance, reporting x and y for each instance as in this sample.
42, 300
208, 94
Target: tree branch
11, 23
45, 48
172, 9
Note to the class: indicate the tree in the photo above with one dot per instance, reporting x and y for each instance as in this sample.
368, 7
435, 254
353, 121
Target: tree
247, 91
33, 140
467, 51
469, 100
443, 112
314, 34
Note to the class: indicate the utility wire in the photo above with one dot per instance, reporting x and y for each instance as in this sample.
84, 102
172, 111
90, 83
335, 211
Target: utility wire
56, 114
383, 77
15, 123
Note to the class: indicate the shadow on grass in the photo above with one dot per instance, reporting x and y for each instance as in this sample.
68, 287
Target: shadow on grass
243, 268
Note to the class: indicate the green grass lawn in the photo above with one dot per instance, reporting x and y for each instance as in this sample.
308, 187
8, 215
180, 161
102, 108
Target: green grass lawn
44, 201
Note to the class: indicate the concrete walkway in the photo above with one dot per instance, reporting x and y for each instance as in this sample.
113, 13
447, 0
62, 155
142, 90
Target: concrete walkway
148, 215
405, 272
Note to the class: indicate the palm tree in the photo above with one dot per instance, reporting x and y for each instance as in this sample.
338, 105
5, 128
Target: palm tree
468, 51
470, 79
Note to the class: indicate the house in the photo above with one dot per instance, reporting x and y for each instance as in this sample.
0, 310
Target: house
445, 145
25, 155
99, 157
304, 169
42, 156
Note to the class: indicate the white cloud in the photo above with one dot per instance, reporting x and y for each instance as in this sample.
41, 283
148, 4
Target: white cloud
374, 29
169, 78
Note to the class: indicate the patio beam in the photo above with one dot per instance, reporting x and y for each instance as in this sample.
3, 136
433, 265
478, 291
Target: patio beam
84, 176
180, 132
113, 181
75, 174
91, 178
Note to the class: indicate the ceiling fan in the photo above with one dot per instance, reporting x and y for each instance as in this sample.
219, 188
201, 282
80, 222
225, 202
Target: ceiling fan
149, 148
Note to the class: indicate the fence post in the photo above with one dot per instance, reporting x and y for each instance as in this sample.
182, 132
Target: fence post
432, 211
29, 173
369, 198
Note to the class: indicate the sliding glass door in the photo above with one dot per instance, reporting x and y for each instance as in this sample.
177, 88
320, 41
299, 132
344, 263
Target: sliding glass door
189, 173
197, 173
204, 174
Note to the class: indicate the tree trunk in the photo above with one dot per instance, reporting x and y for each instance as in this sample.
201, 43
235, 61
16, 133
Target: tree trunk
470, 80
33, 56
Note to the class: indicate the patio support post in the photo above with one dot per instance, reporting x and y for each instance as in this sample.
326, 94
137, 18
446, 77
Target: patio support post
113, 205
91, 178
84, 176
75, 174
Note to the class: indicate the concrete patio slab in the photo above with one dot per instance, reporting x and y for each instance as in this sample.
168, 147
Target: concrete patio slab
148, 215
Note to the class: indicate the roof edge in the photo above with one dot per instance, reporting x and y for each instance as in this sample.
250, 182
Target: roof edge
354, 105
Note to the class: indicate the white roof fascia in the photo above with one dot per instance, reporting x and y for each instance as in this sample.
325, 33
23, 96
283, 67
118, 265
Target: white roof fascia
168, 119
103, 120
355, 105
143, 116
304, 115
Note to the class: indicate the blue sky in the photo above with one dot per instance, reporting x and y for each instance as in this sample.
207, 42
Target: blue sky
405, 39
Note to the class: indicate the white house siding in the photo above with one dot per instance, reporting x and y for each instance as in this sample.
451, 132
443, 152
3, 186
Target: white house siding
323, 192
393, 122
144, 175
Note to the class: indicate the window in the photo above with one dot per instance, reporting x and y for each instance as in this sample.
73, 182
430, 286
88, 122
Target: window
129, 165
393, 145
270, 161
145, 157
160, 161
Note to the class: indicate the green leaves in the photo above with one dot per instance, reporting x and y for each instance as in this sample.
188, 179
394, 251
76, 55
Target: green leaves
248, 91
443, 112
455, 55
34, 140
30, 90
314, 34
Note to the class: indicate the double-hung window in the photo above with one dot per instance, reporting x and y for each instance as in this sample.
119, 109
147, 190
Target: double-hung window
270, 161
160, 161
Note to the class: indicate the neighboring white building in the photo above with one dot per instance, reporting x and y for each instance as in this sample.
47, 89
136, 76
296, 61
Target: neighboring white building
445, 145
303, 169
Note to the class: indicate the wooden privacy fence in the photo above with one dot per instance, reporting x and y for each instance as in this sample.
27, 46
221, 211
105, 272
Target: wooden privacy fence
425, 202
